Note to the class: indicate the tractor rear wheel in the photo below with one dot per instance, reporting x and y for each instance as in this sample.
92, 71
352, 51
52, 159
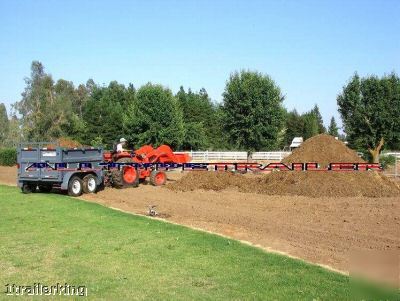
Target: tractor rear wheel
128, 176
158, 178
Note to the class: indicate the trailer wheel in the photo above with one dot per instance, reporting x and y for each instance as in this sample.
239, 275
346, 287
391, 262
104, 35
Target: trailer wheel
89, 183
28, 188
75, 186
158, 178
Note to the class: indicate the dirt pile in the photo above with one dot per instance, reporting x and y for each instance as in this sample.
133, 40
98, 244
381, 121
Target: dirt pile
323, 149
65, 142
330, 184
313, 184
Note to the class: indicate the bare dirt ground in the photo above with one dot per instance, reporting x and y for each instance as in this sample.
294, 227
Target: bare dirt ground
8, 175
319, 230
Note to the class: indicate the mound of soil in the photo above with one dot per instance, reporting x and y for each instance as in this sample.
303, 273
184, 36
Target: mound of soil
323, 149
66, 142
330, 184
311, 183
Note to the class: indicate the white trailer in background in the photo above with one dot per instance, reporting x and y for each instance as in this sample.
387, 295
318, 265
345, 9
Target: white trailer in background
296, 142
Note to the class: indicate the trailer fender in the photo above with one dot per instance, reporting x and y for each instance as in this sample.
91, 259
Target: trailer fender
67, 176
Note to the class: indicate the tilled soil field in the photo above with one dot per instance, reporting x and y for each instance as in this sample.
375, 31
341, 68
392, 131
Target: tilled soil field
322, 230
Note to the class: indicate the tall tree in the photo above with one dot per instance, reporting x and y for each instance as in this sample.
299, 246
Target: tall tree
305, 125
370, 109
104, 113
46, 108
311, 125
252, 106
196, 107
154, 118
333, 129
193, 117
201, 120
14, 135
36, 99
294, 127
320, 121
195, 137
4, 124
80, 98
67, 102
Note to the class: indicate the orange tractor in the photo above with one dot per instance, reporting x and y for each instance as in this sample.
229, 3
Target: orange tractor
129, 176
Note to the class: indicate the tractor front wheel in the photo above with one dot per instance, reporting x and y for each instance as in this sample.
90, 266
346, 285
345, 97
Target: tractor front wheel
158, 178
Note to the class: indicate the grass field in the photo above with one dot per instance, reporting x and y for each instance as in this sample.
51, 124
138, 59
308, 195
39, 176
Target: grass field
50, 238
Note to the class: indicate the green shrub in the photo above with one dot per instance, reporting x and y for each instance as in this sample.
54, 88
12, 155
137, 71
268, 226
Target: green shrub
8, 156
387, 160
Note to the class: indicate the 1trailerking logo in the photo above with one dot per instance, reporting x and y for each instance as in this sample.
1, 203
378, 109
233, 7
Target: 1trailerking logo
39, 289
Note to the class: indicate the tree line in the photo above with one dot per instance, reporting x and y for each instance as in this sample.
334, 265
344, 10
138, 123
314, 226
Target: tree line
251, 116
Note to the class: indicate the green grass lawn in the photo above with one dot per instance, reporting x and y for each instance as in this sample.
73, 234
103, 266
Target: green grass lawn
50, 238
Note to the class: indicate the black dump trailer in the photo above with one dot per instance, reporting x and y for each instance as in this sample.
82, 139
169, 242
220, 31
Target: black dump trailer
76, 170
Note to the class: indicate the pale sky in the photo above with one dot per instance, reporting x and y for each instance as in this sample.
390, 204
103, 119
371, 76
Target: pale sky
310, 48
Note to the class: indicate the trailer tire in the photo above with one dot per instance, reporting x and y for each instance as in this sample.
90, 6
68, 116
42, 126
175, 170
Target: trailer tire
158, 178
27, 188
75, 186
90, 184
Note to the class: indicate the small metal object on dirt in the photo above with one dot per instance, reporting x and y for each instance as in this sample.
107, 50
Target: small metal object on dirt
152, 210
